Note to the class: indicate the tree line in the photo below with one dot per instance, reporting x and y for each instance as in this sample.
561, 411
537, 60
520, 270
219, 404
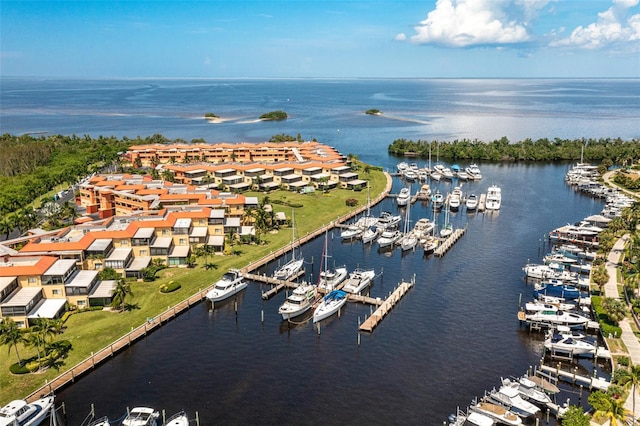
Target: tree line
614, 151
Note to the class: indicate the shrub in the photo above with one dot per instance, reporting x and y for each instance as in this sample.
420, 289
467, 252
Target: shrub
609, 329
351, 202
169, 287
18, 368
623, 360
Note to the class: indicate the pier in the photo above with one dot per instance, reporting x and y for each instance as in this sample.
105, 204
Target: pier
556, 373
278, 284
374, 319
449, 242
482, 202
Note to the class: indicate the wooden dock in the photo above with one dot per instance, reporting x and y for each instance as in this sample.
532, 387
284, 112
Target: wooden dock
555, 373
276, 283
385, 307
445, 245
482, 202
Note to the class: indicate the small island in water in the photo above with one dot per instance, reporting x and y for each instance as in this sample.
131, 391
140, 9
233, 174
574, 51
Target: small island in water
373, 111
274, 115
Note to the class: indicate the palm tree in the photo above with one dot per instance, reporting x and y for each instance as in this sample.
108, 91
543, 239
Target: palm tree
11, 335
631, 379
122, 290
600, 277
608, 407
615, 309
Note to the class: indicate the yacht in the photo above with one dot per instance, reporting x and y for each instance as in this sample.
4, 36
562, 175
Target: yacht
388, 238
568, 344
370, 234
430, 244
528, 390
447, 174
494, 198
472, 418
290, 269
473, 172
403, 197
231, 283
424, 193
331, 303
178, 419
410, 175
352, 232
437, 199
358, 280
141, 416
388, 220
509, 397
298, 302
472, 202
553, 317
455, 199
462, 175
408, 241
423, 227
330, 279
20, 413
497, 412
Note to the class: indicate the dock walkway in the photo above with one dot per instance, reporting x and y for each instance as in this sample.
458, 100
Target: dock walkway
278, 284
449, 242
374, 319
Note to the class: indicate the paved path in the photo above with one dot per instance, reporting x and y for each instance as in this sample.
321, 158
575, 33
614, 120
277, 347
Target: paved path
629, 339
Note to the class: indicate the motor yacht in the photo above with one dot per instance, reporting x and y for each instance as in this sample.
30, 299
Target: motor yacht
231, 283
298, 302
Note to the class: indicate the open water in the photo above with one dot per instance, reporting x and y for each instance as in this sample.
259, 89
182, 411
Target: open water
450, 339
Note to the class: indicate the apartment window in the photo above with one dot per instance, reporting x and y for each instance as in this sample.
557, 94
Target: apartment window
182, 241
81, 303
143, 252
32, 280
56, 292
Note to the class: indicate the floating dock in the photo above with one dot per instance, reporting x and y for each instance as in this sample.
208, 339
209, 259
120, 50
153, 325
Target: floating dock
482, 202
385, 307
445, 245
554, 374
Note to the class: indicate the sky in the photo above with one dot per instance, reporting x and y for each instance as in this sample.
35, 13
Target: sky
321, 39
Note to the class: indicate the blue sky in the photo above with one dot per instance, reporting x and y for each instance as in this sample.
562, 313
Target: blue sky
265, 39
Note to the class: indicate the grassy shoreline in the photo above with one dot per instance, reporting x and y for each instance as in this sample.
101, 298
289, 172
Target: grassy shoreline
93, 330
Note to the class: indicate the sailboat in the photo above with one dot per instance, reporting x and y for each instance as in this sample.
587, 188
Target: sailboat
367, 220
330, 278
293, 266
409, 238
447, 229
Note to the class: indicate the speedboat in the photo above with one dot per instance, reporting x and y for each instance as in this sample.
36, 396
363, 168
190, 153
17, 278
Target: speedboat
472, 202
358, 280
231, 283
456, 199
437, 199
388, 238
538, 305
497, 412
403, 197
178, 419
331, 303
565, 291
298, 302
528, 390
494, 198
509, 397
567, 344
473, 172
330, 279
141, 416
20, 413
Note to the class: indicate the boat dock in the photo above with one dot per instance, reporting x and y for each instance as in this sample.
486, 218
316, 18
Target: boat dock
278, 284
385, 307
445, 245
556, 373
482, 202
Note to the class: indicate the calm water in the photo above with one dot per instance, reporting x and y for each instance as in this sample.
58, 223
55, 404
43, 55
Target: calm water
452, 337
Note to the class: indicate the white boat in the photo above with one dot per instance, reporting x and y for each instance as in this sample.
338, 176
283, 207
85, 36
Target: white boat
330, 278
403, 197
509, 397
331, 304
295, 264
402, 166
410, 175
555, 317
462, 175
455, 200
567, 344
538, 305
409, 239
424, 193
388, 238
423, 228
447, 229
494, 198
20, 413
358, 280
141, 416
473, 172
528, 390
437, 199
388, 220
435, 175
430, 244
298, 302
370, 234
497, 412
178, 419
231, 283
472, 418
472, 202
352, 232
102, 421
447, 174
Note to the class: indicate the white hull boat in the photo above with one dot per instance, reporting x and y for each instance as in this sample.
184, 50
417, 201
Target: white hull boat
289, 269
528, 390
472, 418
231, 283
408, 241
330, 279
403, 197
141, 416
555, 317
509, 397
497, 412
298, 302
351, 233
370, 234
20, 413
388, 220
472, 202
331, 304
567, 344
388, 238
494, 198
178, 419
358, 280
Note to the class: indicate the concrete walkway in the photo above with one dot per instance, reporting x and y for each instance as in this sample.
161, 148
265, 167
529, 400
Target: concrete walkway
629, 339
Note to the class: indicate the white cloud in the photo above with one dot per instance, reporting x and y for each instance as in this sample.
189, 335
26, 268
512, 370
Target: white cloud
400, 37
613, 27
462, 23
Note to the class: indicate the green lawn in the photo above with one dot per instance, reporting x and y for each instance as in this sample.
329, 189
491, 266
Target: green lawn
91, 331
